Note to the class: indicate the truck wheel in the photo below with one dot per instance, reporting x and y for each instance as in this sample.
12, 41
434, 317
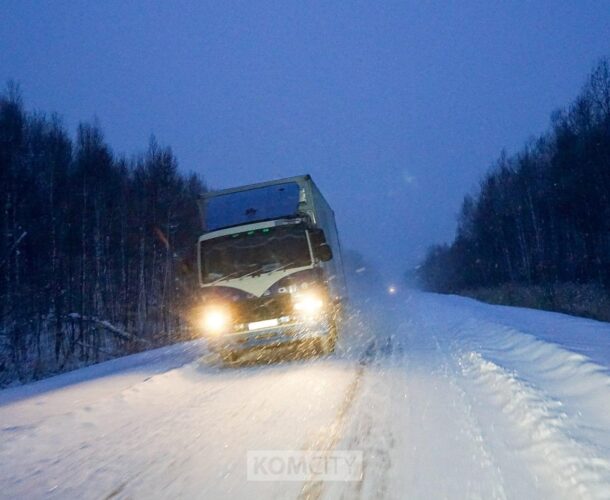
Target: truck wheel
228, 356
328, 343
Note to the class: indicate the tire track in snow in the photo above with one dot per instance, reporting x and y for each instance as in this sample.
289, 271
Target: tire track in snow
373, 433
448, 373
329, 437
424, 421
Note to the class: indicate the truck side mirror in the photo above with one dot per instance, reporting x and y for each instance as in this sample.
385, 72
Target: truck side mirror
321, 248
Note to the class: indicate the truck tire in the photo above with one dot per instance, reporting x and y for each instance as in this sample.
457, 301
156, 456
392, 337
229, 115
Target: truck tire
228, 357
328, 342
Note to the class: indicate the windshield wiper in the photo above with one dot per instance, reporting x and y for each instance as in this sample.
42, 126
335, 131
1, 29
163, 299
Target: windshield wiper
257, 270
234, 274
281, 268
260, 270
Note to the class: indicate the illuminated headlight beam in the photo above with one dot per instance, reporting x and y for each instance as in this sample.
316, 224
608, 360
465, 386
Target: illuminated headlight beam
308, 304
215, 320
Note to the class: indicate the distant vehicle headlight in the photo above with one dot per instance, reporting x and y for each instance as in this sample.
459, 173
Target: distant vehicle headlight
215, 320
308, 304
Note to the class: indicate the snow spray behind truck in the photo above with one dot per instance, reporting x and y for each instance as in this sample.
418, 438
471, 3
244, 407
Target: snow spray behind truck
270, 268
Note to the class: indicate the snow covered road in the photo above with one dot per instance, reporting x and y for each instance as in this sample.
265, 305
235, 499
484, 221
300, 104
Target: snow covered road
445, 397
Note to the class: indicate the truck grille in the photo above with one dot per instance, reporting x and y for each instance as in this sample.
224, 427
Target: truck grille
261, 308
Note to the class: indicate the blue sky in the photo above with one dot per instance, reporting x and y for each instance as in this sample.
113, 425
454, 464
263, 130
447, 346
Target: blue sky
395, 108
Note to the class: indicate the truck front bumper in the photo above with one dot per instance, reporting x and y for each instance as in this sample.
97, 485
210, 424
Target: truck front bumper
268, 337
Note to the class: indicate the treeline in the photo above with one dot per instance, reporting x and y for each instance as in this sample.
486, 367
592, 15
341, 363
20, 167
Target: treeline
96, 250
542, 216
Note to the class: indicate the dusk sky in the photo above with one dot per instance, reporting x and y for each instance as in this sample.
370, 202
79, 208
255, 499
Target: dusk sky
396, 108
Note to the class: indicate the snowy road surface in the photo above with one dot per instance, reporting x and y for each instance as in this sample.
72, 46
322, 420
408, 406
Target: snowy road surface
445, 397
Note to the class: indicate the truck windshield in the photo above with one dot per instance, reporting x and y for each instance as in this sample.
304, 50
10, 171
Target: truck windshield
254, 252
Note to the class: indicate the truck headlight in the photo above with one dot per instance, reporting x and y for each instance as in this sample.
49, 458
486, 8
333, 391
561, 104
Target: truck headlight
308, 304
215, 320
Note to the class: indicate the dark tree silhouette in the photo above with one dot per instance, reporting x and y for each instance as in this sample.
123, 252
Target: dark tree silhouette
96, 251
542, 216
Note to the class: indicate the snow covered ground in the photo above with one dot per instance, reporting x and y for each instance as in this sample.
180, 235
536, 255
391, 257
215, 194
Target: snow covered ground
446, 398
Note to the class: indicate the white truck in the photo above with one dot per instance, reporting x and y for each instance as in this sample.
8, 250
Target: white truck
270, 268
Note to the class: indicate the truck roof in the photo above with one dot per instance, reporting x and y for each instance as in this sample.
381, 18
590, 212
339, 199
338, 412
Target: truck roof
222, 209
299, 179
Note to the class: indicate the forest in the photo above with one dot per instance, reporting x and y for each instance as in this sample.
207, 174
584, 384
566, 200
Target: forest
537, 231
96, 249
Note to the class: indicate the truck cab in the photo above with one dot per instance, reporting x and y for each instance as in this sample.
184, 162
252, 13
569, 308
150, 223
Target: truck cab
270, 268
